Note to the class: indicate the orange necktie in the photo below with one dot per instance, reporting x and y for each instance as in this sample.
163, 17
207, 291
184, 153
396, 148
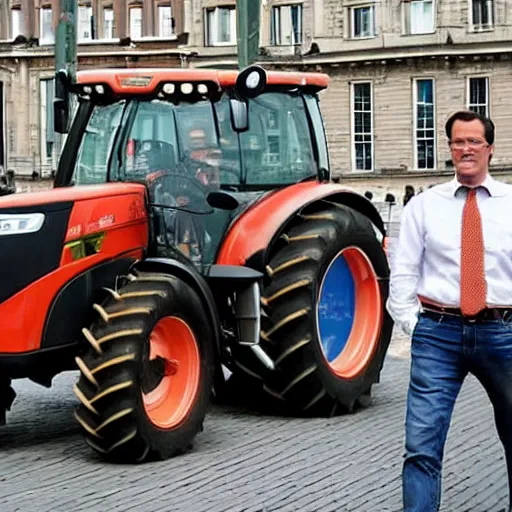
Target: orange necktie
473, 288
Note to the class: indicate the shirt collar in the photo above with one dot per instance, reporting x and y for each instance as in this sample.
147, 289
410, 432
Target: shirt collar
494, 188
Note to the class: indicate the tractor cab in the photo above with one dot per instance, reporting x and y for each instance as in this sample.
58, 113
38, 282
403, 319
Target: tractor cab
205, 143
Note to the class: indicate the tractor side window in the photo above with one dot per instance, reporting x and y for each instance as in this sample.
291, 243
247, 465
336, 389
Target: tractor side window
277, 148
319, 130
93, 154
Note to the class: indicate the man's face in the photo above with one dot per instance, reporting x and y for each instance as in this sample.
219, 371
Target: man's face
470, 150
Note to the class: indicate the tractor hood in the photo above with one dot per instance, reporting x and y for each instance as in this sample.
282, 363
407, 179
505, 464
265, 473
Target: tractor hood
41, 231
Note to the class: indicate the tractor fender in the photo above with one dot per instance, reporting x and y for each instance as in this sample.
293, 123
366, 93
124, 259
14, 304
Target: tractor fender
190, 276
253, 232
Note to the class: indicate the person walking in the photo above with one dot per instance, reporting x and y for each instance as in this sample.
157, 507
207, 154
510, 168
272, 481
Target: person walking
451, 290
408, 195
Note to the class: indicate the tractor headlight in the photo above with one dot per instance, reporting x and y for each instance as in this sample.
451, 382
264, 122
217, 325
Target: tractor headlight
20, 224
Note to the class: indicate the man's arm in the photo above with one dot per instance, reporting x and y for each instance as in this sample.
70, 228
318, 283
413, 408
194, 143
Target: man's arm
403, 304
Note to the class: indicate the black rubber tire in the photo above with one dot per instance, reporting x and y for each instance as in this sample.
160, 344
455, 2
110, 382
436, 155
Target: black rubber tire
303, 381
139, 305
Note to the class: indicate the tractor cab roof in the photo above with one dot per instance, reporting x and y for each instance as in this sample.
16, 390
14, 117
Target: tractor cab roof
142, 81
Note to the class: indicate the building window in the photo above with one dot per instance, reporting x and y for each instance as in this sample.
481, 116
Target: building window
286, 25
46, 35
165, 21
482, 12
136, 22
419, 17
220, 26
108, 23
47, 133
362, 127
478, 95
424, 124
17, 23
84, 29
362, 21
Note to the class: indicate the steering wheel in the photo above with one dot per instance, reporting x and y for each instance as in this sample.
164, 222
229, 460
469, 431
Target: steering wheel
179, 187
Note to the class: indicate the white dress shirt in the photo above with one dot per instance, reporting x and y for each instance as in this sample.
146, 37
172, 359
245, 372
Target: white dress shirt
427, 258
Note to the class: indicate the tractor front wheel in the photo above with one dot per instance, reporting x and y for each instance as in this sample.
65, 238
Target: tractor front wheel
146, 376
324, 322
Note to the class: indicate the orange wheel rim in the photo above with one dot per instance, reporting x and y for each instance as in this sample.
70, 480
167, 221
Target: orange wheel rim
169, 404
349, 313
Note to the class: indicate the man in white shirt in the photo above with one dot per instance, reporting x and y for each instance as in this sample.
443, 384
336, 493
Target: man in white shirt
451, 290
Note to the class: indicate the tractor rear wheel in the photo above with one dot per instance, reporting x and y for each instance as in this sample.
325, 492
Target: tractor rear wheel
324, 321
146, 376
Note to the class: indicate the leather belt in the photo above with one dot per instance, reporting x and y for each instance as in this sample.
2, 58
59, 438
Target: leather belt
485, 315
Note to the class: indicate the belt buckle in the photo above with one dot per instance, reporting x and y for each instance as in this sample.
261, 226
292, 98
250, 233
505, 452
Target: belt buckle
471, 319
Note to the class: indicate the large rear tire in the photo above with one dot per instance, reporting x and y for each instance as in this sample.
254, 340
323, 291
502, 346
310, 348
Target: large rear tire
146, 377
324, 321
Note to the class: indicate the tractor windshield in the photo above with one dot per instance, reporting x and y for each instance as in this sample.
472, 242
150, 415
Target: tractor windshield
132, 140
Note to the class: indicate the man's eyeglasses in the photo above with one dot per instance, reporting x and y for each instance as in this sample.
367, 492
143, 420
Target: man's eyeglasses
472, 143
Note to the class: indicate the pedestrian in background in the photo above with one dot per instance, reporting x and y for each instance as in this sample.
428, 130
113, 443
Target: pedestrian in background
409, 194
451, 290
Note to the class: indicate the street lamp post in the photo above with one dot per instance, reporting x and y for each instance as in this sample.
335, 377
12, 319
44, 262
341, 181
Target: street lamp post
65, 39
248, 31
65, 64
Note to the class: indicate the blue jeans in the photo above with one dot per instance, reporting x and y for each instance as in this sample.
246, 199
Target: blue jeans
444, 350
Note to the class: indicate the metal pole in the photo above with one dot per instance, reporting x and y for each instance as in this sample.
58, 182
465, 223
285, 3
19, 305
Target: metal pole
248, 31
65, 40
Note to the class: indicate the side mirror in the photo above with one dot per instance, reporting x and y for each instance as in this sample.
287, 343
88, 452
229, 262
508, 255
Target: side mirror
251, 81
61, 103
222, 200
239, 115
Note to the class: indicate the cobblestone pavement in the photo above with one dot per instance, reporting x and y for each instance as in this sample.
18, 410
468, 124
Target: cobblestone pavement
244, 461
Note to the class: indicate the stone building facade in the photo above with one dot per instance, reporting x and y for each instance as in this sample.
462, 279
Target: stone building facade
111, 33
398, 68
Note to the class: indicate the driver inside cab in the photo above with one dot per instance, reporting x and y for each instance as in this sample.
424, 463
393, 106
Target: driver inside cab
203, 164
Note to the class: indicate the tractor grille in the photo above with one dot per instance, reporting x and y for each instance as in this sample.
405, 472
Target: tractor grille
27, 257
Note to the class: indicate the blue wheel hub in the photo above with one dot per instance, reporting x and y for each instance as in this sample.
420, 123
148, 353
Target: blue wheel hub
336, 308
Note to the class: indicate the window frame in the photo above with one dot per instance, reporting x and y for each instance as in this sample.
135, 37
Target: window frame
415, 122
487, 92
407, 15
480, 27
353, 126
43, 41
43, 126
79, 8
352, 14
20, 19
158, 20
132, 8
207, 29
104, 8
277, 41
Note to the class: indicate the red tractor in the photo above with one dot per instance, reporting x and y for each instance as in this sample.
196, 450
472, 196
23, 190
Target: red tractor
192, 228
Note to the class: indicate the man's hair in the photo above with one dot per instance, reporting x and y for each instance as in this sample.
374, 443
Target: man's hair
468, 115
